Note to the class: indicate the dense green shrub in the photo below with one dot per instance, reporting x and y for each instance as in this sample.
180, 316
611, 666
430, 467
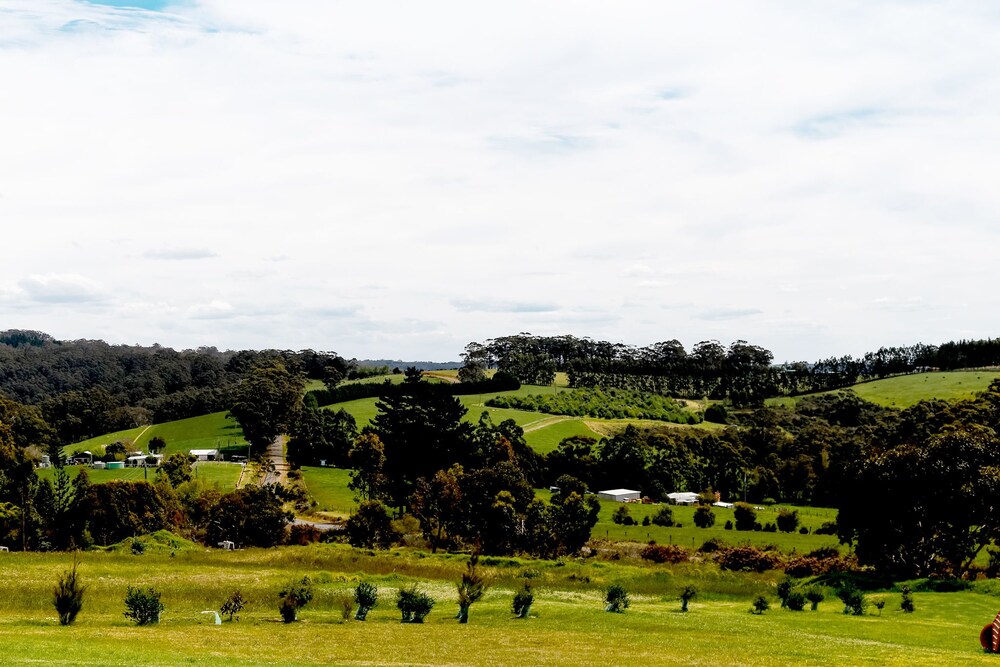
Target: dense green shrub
853, 599
622, 517
413, 604
716, 413
68, 596
788, 520
664, 516
704, 517
366, 597
784, 589
760, 605
143, 606
616, 599
295, 595
796, 601
744, 516
815, 596
906, 603
523, 600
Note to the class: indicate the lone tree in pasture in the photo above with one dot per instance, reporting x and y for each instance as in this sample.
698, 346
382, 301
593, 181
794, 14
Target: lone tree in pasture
788, 520
470, 589
704, 517
686, 596
366, 597
233, 605
68, 595
616, 599
156, 444
523, 600
294, 596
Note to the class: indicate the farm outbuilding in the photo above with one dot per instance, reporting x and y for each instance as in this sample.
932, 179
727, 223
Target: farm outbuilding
683, 497
205, 454
619, 495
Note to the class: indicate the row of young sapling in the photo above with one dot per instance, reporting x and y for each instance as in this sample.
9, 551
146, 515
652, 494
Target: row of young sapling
144, 606
855, 601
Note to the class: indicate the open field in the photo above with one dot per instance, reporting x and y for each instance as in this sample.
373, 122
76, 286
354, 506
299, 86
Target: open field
224, 475
906, 390
328, 487
211, 431
568, 625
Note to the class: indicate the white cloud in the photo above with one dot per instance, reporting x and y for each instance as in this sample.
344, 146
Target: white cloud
496, 169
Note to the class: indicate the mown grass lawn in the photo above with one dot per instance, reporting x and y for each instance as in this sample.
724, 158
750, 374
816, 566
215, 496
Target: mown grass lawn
328, 487
906, 390
222, 475
568, 625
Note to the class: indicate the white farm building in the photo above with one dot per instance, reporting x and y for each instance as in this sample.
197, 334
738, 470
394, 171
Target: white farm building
619, 495
205, 454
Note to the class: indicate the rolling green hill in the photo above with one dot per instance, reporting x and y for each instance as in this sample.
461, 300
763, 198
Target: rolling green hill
906, 390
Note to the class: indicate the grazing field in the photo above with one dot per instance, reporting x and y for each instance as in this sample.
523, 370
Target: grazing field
223, 475
211, 431
906, 390
328, 487
567, 625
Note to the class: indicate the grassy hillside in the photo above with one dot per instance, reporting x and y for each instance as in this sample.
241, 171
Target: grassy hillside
906, 390
568, 626
212, 431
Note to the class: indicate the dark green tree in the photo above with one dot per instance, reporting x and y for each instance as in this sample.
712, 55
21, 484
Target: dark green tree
266, 402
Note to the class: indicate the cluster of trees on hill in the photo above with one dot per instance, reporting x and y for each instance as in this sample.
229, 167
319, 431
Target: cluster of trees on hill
85, 388
743, 373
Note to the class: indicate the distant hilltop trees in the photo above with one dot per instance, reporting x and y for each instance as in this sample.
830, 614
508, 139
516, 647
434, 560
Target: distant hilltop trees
743, 373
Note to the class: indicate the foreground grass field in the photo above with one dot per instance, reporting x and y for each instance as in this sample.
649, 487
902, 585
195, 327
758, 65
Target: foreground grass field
568, 625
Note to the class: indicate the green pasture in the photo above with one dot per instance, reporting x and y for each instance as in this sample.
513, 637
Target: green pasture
223, 475
545, 434
211, 431
567, 626
328, 487
690, 536
906, 390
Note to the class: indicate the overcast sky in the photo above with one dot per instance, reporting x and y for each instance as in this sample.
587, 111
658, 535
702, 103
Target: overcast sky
396, 179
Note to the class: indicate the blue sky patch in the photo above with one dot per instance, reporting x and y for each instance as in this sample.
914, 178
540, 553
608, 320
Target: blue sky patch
151, 5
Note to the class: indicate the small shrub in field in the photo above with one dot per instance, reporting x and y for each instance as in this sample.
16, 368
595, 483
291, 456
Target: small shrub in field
143, 606
616, 599
413, 604
815, 596
686, 596
345, 601
704, 517
295, 595
645, 520
746, 559
366, 597
745, 516
711, 545
760, 605
906, 604
664, 553
470, 589
716, 413
233, 606
770, 527
827, 528
728, 525
784, 589
853, 599
68, 596
664, 517
138, 548
522, 601
796, 601
879, 603
622, 517
803, 531
788, 520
